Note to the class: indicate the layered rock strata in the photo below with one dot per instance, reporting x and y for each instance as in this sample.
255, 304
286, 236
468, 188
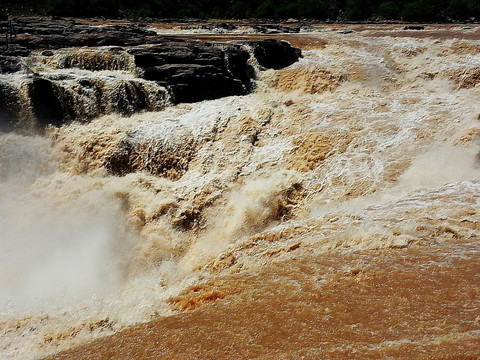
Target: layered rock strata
60, 71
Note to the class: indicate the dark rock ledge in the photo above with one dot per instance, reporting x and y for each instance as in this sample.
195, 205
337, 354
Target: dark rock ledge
195, 72
189, 70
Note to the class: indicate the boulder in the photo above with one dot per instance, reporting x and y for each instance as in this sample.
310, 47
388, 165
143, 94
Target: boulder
195, 72
275, 54
195, 82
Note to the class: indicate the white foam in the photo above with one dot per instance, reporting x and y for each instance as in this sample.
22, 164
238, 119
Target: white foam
89, 246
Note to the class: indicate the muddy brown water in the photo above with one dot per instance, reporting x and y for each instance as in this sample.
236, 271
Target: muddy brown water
419, 303
325, 228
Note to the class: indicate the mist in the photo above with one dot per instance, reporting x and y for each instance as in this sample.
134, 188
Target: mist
53, 249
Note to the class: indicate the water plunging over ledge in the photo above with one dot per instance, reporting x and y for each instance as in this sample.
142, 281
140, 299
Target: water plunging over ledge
329, 211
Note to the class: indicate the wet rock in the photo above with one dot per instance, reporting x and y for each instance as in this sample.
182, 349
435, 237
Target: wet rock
190, 70
221, 26
9, 107
187, 219
58, 33
414, 27
193, 72
238, 66
178, 53
276, 29
56, 101
16, 50
129, 98
194, 82
47, 101
275, 54
10, 65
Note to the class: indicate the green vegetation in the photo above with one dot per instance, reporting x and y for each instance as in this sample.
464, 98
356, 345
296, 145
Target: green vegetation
343, 10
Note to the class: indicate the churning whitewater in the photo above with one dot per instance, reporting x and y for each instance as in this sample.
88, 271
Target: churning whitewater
369, 145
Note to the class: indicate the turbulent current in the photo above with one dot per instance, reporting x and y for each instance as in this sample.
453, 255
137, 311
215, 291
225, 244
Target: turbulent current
331, 213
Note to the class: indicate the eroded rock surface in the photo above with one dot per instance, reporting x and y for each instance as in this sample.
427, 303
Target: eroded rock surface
9, 107
63, 66
196, 72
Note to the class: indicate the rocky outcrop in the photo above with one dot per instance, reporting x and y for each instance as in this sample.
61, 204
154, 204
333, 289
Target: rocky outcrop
275, 54
148, 65
9, 106
54, 101
34, 34
195, 72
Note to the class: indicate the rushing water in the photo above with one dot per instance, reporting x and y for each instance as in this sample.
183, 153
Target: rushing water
368, 144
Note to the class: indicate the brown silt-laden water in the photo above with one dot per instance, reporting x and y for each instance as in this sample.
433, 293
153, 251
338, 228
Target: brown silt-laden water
329, 210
